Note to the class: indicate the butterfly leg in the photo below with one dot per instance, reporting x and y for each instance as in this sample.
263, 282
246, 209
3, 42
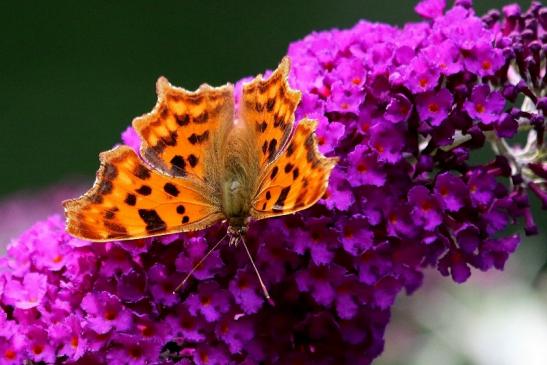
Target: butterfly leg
233, 235
236, 232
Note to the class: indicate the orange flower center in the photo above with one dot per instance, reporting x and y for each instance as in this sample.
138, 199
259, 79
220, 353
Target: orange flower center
167, 287
224, 328
479, 107
362, 168
486, 65
365, 126
10, 354
74, 342
242, 283
356, 80
187, 323
423, 82
146, 331
206, 300
433, 108
38, 349
378, 147
204, 357
321, 140
110, 315
135, 353
348, 232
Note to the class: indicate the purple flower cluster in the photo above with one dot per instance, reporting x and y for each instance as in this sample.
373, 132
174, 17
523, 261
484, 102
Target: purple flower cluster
403, 109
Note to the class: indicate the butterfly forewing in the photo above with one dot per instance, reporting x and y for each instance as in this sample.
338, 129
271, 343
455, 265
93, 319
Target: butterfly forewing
182, 126
296, 179
131, 200
267, 107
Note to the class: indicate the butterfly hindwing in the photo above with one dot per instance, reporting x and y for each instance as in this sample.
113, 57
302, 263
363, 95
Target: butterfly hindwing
267, 107
178, 132
130, 200
296, 179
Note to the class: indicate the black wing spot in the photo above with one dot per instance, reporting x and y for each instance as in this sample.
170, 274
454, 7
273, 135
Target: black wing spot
290, 149
153, 221
185, 219
274, 172
171, 139
193, 160
261, 127
183, 119
144, 190
105, 188
181, 209
198, 138
265, 147
116, 230
288, 167
194, 99
131, 199
309, 142
179, 165
270, 105
295, 173
278, 120
202, 118
280, 203
268, 195
309, 155
96, 199
110, 171
171, 189
141, 172
259, 107
164, 112
272, 149
263, 87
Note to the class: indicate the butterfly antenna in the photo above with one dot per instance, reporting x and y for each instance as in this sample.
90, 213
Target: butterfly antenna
264, 289
196, 266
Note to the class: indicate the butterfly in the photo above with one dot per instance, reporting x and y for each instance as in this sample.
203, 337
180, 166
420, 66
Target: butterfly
202, 162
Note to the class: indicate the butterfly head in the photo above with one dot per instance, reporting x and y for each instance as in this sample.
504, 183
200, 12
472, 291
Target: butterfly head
238, 226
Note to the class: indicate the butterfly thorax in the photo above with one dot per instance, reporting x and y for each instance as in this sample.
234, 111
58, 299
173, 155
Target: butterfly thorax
238, 180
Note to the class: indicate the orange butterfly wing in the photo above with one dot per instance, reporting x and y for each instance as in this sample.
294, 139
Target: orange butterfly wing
131, 200
294, 174
267, 107
178, 132
296, 179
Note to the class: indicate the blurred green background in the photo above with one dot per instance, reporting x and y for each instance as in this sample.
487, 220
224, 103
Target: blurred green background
74, 74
